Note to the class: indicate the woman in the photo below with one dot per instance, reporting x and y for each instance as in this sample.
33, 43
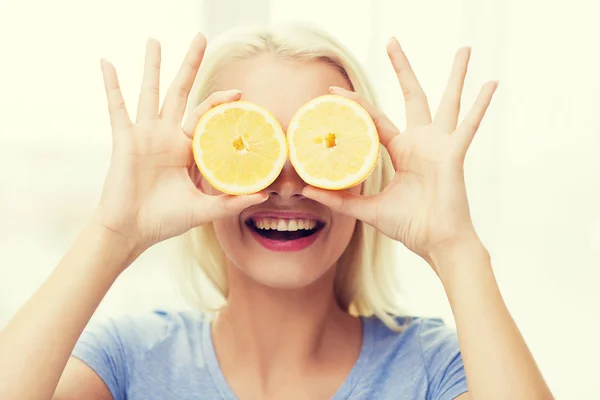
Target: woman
318, 323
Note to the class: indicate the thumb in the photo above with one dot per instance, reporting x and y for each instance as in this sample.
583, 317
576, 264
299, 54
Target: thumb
354, 205
210, 208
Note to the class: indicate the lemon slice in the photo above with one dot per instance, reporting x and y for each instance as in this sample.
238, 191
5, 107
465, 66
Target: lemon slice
239, 147
333, 143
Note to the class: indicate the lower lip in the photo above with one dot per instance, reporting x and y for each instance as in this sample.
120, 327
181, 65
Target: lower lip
285, 245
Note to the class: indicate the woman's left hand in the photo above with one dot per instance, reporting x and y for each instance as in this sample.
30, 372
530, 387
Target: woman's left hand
425, 206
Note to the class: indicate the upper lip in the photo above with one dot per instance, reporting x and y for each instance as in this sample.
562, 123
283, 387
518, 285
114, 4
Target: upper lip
284, 214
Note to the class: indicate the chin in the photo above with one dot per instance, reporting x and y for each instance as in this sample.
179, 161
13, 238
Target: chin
282, 271
290, 251
279, 248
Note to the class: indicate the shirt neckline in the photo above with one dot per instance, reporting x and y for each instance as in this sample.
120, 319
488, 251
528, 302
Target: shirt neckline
344, 391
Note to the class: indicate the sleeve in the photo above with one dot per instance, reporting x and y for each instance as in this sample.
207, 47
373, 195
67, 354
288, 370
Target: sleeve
103, 347
443, 362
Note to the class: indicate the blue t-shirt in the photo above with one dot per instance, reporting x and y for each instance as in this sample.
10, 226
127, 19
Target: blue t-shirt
166, 355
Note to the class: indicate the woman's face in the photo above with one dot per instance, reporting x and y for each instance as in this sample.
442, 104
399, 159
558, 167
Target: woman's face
284, 259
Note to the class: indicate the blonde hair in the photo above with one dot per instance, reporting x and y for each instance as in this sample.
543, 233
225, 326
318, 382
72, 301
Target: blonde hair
365, 281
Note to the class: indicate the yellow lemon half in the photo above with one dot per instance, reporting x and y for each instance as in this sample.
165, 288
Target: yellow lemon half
333, 143
239, 147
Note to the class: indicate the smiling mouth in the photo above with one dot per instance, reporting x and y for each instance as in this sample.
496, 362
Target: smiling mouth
284, 229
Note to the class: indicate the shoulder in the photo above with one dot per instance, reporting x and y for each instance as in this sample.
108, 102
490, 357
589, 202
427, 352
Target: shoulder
425, 352
115, 347
132, 336
422, 334
126, 350
147, 330
157, 325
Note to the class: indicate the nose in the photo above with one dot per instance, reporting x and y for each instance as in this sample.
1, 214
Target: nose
288, 184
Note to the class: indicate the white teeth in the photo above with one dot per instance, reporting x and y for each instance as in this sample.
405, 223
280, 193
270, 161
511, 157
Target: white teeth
284, 224
292, 225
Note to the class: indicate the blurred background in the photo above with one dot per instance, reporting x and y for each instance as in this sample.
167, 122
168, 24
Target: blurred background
533, 172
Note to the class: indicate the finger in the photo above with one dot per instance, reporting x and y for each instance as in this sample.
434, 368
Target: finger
468, 127
449, 109
415, 101
210, 208
149, 94
119, 119
213, 100
354, 205
177, 95
385, 127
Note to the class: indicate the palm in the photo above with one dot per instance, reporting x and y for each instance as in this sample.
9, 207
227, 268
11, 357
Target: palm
148, 195
156, 161
417, 207
425, 204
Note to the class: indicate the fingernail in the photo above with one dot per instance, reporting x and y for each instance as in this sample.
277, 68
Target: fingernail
234, 92
336, 89
393, 39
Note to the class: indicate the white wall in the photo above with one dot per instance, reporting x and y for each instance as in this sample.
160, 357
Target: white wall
533, 172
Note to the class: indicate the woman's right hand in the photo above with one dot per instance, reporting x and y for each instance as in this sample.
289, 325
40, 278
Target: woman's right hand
148, 194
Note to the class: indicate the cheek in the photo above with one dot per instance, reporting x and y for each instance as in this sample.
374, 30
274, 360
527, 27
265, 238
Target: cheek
228, 233
342, 231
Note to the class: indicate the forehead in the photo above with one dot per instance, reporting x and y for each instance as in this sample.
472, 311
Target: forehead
281, 86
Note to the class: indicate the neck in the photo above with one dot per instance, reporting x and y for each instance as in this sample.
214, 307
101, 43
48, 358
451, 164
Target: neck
283, 330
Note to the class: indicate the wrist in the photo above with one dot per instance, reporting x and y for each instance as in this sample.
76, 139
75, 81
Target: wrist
119, 249
455, 257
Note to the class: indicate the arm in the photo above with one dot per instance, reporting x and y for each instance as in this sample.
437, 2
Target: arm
80, 381
425, 207
148, 197
497, 361
37, 342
